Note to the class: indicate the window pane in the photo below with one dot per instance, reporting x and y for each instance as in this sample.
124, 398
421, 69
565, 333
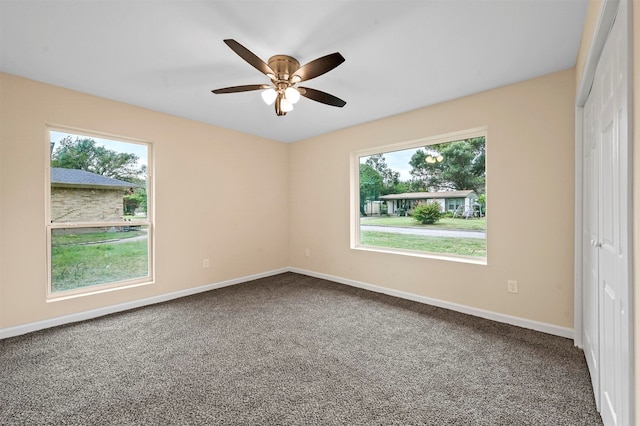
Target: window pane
84, 257
427, 199
96, 180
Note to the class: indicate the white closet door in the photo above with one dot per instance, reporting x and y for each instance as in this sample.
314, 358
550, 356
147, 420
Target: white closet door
605, 229
590, 189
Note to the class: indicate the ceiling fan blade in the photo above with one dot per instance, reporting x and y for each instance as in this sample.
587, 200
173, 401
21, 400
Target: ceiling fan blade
322, 97
319, 66
245, 88
249, 56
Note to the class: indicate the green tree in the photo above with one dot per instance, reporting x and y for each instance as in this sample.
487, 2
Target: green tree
462, 166
415, 185
134, 200
85, 154
371, 184
399, 188
390, 178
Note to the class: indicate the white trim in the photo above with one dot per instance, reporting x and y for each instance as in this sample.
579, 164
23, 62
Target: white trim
422, 142
50, 225
608, 12
494, 316
425, 255
577, 232
95, 313
354, 191
629, 272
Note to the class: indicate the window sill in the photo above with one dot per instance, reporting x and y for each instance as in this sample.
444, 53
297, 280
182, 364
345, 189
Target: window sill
90, 291
425, 255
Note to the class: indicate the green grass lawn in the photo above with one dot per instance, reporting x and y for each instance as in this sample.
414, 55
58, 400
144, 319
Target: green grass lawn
473, 224
444, 245
82, 265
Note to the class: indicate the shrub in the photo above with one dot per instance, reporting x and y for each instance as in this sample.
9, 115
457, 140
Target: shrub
482, 200
427, 213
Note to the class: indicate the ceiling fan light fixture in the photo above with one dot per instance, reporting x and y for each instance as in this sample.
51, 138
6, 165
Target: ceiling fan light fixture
295, 79
269, 96
285, 105
292, 94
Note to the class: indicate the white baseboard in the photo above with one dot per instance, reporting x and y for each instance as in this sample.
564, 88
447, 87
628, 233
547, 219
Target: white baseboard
494, 316
94, 313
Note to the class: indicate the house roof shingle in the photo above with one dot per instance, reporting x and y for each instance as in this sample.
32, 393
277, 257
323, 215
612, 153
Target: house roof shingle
81, 178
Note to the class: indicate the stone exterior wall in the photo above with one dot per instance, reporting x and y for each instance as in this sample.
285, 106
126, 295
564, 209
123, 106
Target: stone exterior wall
86, 205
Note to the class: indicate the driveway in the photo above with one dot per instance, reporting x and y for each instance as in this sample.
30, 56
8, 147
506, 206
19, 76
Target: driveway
426, 232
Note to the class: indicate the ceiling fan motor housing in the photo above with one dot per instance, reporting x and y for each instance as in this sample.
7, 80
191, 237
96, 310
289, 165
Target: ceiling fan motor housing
284, 66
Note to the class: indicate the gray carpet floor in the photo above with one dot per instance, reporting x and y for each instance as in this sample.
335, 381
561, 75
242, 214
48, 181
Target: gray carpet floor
292, 350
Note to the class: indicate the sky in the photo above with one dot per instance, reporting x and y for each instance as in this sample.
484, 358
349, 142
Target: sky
398, 161
136, 148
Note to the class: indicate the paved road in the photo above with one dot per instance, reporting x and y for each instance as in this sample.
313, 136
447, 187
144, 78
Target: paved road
429, 232
114, 241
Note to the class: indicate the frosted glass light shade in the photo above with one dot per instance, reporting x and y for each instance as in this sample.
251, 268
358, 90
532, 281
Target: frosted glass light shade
286, 105
269, 96
292, 95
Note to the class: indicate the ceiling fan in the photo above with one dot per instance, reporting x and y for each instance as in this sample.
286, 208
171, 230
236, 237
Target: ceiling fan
285, 73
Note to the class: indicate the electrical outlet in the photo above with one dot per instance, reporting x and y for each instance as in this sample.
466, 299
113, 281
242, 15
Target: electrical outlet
512, 286
205, 263
307, 252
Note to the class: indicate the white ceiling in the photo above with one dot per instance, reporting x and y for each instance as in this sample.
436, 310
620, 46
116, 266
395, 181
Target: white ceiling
400, 55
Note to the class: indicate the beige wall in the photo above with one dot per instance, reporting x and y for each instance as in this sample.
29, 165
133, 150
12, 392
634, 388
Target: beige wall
529, 191
233, 177
220, 194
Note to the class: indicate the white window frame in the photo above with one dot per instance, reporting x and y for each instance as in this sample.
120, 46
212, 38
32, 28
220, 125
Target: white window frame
49, 226
417, 143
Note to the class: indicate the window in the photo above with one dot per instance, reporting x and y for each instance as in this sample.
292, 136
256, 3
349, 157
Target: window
423, 198
454, 204
99, 227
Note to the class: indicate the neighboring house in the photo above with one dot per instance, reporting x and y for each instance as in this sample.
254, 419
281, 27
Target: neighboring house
80, 196
374, 208
450, 201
